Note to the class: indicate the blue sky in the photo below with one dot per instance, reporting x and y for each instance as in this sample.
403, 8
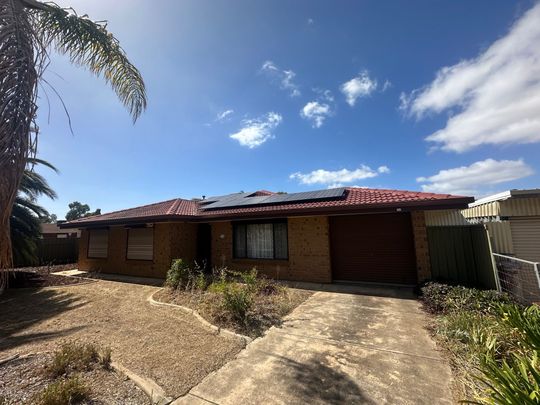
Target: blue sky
294, 96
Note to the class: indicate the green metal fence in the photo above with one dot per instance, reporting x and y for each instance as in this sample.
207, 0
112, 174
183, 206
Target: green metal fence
462, 255
57, 250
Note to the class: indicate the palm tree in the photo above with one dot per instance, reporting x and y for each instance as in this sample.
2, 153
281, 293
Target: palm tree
28, 30
26, 216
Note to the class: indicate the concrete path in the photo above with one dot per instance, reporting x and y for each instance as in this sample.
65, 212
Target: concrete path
336, 348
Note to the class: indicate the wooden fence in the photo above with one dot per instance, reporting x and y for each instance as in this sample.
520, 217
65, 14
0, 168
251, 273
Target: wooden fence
462, 255
57, 250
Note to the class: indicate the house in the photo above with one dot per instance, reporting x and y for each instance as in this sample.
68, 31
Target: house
341, 234
53, 231
513, 222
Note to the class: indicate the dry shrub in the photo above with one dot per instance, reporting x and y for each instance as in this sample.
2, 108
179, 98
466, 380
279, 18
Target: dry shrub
64, 392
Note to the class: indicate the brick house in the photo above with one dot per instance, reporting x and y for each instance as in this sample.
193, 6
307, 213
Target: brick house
343, 234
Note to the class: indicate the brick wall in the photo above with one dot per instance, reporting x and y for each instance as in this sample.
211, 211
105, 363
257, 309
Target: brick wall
423, 265
171, 240
309, 251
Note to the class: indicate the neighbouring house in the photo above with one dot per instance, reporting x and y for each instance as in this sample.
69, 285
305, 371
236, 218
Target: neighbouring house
513, 222
342, 234
53, 231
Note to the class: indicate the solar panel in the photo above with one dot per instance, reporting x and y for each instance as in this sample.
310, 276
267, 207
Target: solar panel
243, 199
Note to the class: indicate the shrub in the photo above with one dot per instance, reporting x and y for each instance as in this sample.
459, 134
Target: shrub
237, 301
105, 358
64, 392
249, 277
524, 320
178, 274
73, 356
515, 382
267, 286
441, 298
78, 357
218, 286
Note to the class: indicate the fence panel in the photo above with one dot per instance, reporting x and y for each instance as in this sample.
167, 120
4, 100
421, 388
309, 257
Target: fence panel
461, 254
58, 250
519, 278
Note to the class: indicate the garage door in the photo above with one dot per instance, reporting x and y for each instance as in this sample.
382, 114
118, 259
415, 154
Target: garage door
526, 237
373, 248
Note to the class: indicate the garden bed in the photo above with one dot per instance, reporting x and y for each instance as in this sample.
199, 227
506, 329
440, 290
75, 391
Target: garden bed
488, 339
31, 380
242, 302
36, 277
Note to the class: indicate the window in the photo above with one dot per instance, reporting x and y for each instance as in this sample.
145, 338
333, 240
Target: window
140, 244
98, 244
261, 240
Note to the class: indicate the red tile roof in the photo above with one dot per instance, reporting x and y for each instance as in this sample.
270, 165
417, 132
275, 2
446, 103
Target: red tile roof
360, 199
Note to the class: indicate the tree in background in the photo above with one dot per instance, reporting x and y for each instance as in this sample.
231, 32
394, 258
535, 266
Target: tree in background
28, 30
78, 210
49, 219
27, 215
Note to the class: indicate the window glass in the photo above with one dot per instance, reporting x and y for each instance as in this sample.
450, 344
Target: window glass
261, 241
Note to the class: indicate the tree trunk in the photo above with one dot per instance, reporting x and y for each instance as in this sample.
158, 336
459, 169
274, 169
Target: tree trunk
18, 87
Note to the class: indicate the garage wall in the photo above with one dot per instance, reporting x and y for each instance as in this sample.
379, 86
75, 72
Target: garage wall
421, 246
171, 240
309, 251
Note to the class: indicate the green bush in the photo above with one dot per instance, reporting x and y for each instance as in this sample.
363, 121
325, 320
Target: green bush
64, 392
237, 301
515, 382
178, 274
441, 298
526, 321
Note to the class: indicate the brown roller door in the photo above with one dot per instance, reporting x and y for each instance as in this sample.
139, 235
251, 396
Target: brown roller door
373, 248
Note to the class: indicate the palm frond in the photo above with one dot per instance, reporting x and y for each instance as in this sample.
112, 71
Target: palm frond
25, 231
89, 44
18, 84
30, 205
34, 185
32, 161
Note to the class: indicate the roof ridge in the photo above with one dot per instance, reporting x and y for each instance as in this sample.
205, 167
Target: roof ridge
174, 207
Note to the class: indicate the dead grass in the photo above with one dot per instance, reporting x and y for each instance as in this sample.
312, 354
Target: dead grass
159, 343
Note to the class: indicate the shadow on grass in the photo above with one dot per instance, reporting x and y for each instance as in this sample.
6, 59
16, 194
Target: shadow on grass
314, 381
20, 309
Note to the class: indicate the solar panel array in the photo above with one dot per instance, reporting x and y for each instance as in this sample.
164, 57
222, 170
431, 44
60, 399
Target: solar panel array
244, 199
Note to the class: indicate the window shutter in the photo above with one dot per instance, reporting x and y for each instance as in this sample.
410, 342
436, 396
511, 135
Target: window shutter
140, 244
98, 243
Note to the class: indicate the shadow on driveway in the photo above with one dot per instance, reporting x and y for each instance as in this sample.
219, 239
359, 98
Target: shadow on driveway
314, 381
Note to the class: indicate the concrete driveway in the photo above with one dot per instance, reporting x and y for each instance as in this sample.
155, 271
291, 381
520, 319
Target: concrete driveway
336, 348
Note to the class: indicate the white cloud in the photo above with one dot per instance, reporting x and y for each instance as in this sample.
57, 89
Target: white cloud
473, 179
338, 177
284, 77
311, 21
383, 169
386, 85
257, 131
316, 113
222, 116
497, 94
358, 87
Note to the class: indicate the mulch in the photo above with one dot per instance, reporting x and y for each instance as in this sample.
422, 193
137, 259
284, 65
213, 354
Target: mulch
36, 277
23, 379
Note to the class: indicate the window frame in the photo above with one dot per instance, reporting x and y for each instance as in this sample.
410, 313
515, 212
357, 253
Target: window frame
106, 257
128, 229
260, 222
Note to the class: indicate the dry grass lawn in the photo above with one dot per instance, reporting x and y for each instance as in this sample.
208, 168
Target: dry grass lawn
160, 343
